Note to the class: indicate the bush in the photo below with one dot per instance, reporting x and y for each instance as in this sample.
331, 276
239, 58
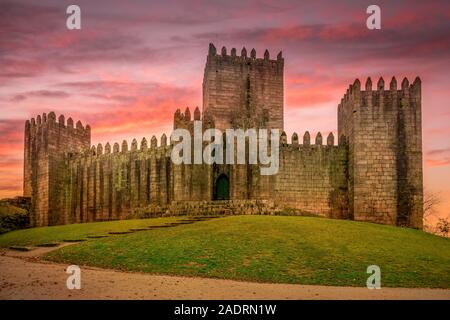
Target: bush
443, 227
13, 217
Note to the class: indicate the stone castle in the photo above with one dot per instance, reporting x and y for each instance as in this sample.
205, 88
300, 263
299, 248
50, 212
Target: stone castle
373, 173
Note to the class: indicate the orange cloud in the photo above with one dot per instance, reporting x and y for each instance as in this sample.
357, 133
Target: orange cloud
308, 98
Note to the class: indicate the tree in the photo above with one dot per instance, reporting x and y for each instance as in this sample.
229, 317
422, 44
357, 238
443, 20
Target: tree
443, 226
430, 202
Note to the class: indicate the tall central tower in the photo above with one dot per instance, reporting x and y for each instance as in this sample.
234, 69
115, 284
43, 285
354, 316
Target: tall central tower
243, 92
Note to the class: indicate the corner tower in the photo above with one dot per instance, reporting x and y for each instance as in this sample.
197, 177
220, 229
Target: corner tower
242, 91
47, 141
383, 132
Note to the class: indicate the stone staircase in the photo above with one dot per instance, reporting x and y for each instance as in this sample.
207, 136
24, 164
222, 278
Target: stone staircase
222, 207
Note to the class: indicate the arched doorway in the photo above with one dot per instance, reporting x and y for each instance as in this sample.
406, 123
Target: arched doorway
222, 188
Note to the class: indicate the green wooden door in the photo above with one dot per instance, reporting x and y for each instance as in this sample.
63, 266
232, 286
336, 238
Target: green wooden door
222, 188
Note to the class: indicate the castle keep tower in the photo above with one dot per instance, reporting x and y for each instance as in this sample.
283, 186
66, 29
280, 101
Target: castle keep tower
242, 91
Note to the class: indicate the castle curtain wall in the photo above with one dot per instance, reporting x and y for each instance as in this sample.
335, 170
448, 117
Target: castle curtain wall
312, 180
111, 185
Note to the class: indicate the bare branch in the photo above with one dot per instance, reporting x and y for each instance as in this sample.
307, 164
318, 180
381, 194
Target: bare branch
430, 201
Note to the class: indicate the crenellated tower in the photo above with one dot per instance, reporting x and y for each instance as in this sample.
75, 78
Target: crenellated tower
382, 131
243, 91
47, 141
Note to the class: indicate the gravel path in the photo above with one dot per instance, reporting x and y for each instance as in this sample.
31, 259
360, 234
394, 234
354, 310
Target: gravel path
24, 276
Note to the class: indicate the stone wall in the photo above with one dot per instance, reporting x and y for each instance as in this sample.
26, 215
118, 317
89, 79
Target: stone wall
312, 177
192, 182
103, 184
110, 184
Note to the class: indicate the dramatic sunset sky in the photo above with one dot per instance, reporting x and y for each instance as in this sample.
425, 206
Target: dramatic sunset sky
132, 65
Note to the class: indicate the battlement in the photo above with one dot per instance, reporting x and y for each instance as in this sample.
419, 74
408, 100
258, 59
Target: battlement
41, 124
295, 144
355, 93
184, 120
223, 57
107, 150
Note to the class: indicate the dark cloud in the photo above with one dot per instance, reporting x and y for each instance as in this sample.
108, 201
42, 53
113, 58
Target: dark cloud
10, 187
40, 94
439, 151
438, 157
18, 98
109, 85
347, 40
115, 97
37, 34
19, 68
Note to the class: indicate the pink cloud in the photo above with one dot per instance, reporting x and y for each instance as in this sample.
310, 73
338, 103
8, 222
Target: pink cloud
131, 67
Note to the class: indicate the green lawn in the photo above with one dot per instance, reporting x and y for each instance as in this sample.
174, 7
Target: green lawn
36, 236
285, 249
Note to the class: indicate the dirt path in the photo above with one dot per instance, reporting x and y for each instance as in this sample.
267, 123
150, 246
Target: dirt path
24, 276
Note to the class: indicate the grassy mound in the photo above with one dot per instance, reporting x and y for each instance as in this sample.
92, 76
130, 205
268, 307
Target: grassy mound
275, 249
284, 249
42, 235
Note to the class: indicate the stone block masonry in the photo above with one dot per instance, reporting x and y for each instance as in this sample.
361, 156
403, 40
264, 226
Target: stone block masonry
47, 144
382, 129
105, 185
243, 91
374, 173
